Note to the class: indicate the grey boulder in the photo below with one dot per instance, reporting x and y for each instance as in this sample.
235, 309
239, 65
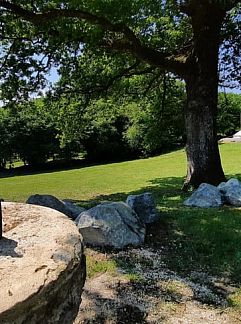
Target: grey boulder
221, 186
51, 202
144, 206
231, 191
111, 224
205, 196
75, 209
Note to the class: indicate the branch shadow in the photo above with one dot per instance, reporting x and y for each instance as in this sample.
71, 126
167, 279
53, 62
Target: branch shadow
113, 309
56, 166
7, 248
164, 190
195, 239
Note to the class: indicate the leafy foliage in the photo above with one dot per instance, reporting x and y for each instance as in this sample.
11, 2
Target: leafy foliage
115, 127
29, 47
229, 112
29, 133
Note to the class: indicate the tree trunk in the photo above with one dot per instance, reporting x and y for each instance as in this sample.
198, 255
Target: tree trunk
203, 159
204, 163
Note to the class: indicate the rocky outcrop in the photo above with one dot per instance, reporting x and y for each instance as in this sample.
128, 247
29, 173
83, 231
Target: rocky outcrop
111, 224
205, 196
65, 207
42, 269
144, 206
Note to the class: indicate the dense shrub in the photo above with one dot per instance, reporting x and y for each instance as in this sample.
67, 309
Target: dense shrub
107, 129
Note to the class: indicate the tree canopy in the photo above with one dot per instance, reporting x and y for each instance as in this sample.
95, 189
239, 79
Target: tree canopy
36, 35
191, 39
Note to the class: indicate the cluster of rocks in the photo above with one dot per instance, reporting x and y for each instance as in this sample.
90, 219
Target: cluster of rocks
210, 196
113, 224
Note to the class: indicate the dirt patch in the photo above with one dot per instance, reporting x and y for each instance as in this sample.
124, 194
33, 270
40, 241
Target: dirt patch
144, 290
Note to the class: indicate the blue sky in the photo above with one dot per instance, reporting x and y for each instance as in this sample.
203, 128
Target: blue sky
53, 75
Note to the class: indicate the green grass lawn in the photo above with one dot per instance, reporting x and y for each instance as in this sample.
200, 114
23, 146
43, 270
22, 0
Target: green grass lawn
91, 182
200, 239
159, 174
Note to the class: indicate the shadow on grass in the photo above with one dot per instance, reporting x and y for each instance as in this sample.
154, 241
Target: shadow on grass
48, 167
166, 191
195, 239
57, 166
114, 310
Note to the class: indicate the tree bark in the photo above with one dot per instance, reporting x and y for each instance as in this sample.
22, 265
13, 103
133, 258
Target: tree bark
203, 158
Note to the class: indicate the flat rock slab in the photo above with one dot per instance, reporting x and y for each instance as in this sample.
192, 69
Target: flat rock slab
42, 266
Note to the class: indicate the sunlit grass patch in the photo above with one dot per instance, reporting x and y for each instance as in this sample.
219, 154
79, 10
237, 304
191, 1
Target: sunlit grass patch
235, 299
134, 277
98, 266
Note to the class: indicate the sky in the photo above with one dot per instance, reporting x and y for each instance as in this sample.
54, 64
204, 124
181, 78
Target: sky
53, 75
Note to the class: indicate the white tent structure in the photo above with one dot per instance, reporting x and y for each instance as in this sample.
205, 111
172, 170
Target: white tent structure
238, 134
236, 138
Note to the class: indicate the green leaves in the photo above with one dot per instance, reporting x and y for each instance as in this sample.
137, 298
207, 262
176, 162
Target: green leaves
24, 44
97, 25
229, 110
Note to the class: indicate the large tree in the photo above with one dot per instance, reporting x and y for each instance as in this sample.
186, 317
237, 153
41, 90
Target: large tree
179, 37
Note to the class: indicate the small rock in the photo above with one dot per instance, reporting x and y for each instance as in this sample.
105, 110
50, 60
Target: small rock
231, 191
221, 189
205, 196
221, 186
75, 209
111, 224
144, 206
77, 219
231, 183
51, 202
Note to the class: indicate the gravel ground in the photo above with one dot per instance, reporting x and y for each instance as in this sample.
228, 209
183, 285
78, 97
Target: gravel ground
149, 292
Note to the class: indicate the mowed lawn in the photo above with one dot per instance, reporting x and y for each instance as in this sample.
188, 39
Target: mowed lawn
99, 182
204, 240
94, 181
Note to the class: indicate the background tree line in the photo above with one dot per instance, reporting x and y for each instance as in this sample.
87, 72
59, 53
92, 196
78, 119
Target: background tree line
134, 118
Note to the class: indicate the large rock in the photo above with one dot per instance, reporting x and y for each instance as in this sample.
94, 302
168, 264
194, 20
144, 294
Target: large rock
205, 196
111, 224
231, 191
144, 206
52, 202
42, 270
74, 209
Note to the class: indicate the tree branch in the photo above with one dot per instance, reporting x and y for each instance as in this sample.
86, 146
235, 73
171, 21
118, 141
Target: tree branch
132, 70
231, 4
128, 43
189, 6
